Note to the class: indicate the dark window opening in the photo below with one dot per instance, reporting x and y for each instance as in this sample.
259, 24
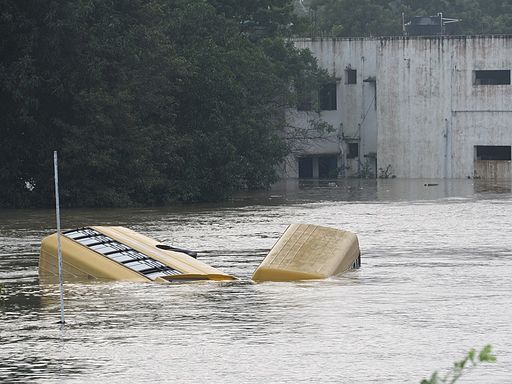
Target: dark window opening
307, 96
305, 106
492, 152
353, 151
304, 102
328, 167
351, 76
495, 77
327, 96
305, 167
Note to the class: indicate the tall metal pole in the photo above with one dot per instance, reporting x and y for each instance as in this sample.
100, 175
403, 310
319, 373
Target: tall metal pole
59, 251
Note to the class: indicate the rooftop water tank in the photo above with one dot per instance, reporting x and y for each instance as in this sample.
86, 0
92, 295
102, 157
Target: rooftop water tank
431, 26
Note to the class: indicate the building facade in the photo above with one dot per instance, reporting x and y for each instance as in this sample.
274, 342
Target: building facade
410, 107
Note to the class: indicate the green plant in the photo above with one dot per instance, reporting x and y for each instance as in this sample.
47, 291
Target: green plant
469, 362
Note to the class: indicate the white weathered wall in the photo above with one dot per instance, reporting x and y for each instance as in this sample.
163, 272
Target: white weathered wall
412, 107
430, 115
424, 116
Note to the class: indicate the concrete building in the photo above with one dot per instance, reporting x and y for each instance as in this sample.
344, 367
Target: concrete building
410, 107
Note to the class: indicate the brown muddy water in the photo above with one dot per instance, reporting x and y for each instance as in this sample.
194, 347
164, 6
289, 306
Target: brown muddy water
436, 280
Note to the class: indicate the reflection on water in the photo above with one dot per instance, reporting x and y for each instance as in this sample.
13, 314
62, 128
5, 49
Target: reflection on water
436, 280
385, 189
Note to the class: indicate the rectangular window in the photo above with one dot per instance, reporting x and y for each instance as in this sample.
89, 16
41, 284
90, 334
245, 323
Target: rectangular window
327, 97
492, 152
328, 167
305, 167
350, 76
307, 96
494, 77
304, 102
353, 151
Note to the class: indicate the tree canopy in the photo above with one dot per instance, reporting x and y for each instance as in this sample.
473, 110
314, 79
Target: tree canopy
147, 101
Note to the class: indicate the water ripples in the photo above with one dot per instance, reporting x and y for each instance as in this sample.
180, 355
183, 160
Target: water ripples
435, 281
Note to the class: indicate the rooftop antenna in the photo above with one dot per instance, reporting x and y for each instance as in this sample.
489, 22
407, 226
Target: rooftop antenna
59, 251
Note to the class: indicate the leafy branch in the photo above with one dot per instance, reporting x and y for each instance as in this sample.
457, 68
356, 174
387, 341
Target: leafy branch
468, 363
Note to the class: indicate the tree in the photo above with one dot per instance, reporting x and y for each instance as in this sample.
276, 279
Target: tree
233, 105
148, 102
96, 81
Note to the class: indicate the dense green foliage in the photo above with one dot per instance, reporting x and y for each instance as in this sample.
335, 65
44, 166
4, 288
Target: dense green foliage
384, 17
147, 102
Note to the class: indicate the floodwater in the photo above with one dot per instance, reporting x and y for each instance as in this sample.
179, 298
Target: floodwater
436, 280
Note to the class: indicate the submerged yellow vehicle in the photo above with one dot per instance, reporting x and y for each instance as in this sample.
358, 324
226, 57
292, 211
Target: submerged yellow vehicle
118, 253
307, 251
304, 251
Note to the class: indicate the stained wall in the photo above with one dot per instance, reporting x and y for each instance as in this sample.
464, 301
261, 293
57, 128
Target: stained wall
415, 103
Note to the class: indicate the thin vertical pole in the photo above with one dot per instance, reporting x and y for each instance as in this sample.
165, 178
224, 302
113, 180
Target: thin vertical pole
59, 251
